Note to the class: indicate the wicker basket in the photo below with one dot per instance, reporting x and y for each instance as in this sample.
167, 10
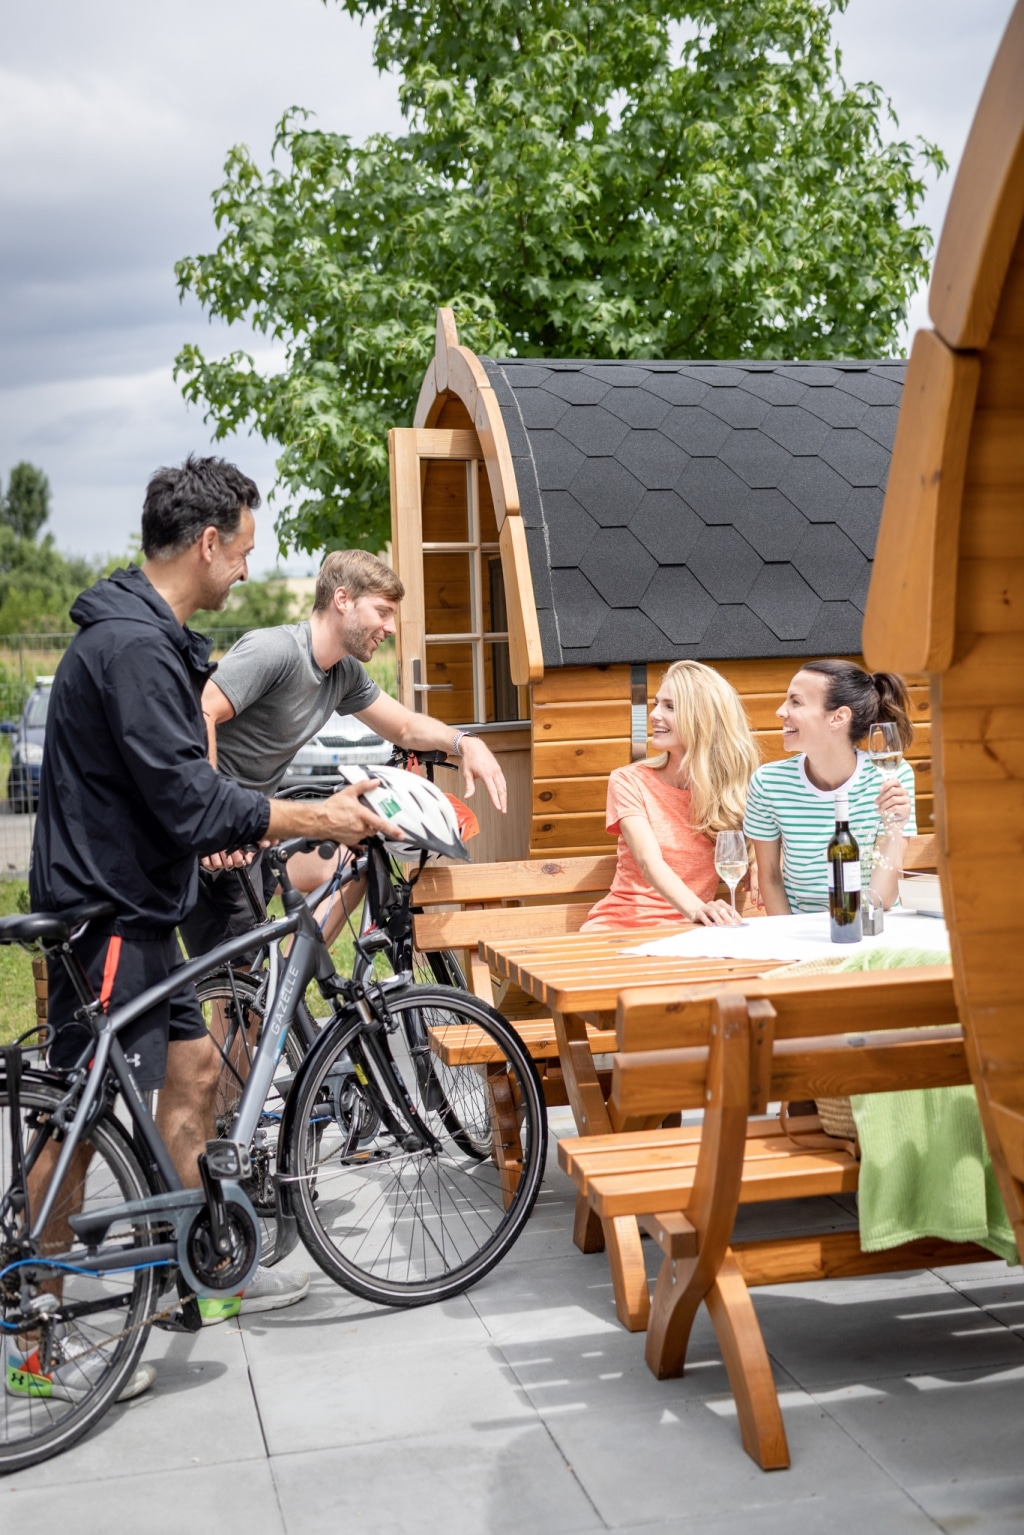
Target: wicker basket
836, 1114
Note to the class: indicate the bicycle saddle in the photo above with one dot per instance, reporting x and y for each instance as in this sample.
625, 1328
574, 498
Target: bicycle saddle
53, 927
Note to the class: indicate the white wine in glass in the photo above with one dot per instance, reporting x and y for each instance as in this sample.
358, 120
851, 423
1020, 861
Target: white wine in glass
885, 749
731, 860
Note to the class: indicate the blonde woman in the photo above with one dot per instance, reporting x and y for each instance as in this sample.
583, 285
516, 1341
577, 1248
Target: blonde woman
666, 811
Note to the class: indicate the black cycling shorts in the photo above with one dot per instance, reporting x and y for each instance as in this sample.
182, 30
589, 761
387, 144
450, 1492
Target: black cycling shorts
223, 910
119, 969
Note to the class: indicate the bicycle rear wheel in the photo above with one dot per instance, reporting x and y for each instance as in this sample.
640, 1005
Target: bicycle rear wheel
62, 1375
233, 1004
405, 1218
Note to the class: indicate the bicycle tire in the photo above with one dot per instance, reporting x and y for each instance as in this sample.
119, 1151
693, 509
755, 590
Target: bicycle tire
394, 1222
34, 1427
241, 997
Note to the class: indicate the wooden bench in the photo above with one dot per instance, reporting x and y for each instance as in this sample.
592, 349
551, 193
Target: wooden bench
467, 906
504, 901
730, 1050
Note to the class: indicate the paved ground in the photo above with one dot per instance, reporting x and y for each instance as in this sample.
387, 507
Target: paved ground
523, 1407
15, 841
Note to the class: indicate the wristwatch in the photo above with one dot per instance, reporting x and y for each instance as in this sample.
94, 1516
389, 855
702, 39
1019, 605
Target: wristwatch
456, 738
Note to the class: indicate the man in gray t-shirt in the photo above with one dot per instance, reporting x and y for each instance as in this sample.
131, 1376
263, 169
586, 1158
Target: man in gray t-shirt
274, 689
281, 697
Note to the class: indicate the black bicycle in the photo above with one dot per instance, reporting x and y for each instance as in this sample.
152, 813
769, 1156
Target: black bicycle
382, 1176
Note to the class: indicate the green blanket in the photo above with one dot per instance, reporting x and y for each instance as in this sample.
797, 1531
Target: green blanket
925, 1167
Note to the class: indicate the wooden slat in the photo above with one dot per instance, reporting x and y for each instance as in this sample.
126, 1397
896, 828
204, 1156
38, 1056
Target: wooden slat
551, 795
658, 1081
991, 525
514, 879
526, 660
987, 669
658, 1017
578, 684
991, 595
556, 831
460, 929
838, 1255
909, 618
996, 453
579, 758
820, 1172
590, 721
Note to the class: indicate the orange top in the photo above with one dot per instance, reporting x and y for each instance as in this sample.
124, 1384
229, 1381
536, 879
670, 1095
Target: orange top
632, 902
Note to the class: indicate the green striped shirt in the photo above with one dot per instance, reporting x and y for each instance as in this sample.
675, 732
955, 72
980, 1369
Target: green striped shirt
782, 802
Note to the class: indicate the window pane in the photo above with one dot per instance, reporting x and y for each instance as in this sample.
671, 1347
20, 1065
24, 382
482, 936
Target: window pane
488, 521
445, 501
451, 665
502, 695
446, 592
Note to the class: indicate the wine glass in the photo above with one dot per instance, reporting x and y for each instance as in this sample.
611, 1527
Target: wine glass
731, 860
885, 749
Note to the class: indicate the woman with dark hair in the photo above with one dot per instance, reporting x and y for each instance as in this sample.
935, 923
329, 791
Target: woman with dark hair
790, 813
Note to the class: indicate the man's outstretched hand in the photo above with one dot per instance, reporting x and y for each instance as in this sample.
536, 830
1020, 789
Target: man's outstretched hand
478, 762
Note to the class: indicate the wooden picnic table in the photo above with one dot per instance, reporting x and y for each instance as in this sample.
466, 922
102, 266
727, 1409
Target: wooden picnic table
579, 977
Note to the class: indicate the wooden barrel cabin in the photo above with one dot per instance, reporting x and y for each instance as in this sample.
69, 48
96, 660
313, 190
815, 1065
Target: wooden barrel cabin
565, 529
947, 594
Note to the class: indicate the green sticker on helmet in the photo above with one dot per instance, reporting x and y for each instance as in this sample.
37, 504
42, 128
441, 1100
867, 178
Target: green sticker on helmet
389, 806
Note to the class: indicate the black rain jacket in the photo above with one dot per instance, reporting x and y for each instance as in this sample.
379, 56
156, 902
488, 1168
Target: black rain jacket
127, 797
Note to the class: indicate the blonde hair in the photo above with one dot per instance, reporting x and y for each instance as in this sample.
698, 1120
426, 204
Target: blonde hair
358, 572
719, 752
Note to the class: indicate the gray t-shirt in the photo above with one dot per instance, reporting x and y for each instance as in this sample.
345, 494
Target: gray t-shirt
281, 698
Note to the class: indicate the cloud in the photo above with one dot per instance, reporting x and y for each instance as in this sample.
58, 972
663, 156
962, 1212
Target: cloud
115, 119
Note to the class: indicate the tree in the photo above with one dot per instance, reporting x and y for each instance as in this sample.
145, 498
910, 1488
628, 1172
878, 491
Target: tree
26, 505
254, 605
38, 584
654, 178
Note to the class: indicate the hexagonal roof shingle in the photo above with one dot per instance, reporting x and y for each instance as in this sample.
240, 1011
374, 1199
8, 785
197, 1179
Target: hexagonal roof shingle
701, 509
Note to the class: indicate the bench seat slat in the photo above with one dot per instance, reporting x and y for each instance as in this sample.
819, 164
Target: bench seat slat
802, 1174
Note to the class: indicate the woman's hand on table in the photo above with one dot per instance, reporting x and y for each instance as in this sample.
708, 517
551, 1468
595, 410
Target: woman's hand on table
715, 914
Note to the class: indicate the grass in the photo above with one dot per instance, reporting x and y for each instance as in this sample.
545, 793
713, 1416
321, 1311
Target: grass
17, 989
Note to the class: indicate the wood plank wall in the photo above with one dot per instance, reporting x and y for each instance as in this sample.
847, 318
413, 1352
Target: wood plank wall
581, 731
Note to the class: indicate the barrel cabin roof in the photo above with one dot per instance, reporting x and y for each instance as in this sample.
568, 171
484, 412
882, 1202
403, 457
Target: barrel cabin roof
706, 509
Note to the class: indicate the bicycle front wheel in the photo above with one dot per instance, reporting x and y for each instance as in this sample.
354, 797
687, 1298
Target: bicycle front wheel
65, 1365
409, 1212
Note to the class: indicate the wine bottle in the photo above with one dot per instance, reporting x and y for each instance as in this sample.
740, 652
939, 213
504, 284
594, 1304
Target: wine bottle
844, 877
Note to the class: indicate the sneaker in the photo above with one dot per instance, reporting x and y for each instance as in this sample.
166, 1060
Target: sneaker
75, 1371
269, 1290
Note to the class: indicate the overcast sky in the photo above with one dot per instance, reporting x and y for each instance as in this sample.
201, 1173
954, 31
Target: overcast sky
115, 118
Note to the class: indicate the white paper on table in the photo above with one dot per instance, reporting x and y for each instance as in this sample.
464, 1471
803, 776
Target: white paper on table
804, 936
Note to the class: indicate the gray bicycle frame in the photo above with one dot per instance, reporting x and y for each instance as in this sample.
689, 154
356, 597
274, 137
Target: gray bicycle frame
308, 957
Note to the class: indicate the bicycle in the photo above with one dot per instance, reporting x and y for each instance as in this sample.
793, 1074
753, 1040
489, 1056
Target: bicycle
233, 1001
385, 1195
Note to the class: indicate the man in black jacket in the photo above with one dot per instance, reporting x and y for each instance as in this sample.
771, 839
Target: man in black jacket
128, 799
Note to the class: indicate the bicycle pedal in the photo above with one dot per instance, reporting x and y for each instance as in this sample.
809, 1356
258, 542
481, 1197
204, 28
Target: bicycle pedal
184, 1318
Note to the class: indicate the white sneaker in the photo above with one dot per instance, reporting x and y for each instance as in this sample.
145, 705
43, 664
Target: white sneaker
270, 1290
75, 1371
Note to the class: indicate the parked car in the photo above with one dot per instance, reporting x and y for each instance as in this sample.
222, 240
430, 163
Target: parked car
340, 740
27, 737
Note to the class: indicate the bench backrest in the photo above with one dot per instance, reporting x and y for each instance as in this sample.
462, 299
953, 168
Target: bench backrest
534, 885
810, 1036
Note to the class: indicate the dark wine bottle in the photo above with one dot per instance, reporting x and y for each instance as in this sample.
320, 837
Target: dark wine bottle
844, 877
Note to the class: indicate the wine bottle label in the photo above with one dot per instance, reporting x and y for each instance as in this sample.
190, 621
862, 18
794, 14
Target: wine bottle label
845, 877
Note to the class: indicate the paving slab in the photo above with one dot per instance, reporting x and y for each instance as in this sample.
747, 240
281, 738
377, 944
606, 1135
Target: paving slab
524, 1405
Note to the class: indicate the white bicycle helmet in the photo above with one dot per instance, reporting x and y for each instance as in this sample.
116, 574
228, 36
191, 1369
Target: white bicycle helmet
414, 804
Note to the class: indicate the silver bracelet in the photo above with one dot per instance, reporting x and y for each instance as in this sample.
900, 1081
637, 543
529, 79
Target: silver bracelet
456, 738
